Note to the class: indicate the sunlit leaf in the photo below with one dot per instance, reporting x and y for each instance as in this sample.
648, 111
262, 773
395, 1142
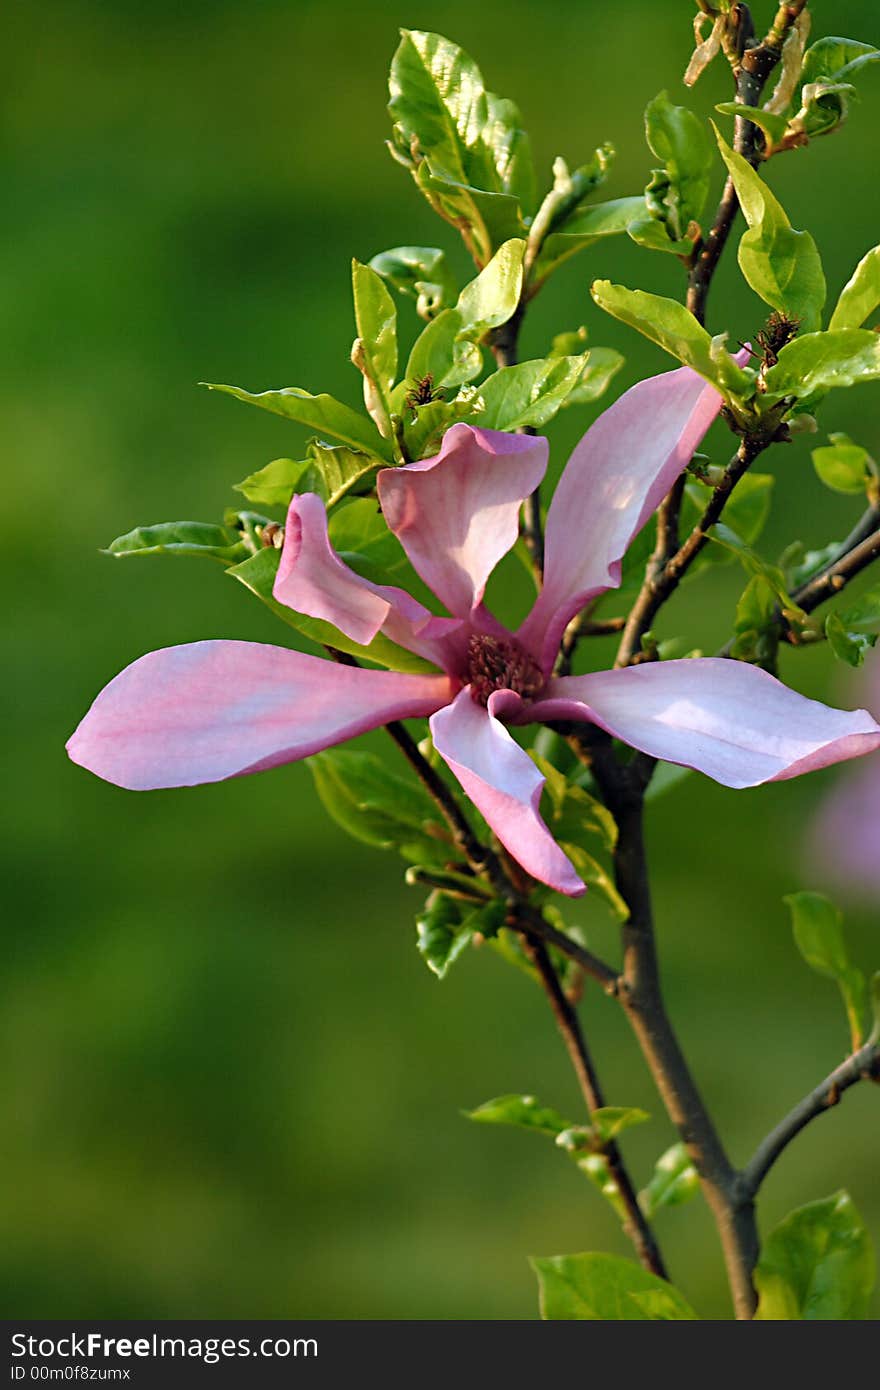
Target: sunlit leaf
817, 1264
605, 1288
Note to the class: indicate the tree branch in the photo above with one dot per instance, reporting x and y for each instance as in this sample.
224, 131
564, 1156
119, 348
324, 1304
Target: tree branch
837, 575
635, 1224
863, 1065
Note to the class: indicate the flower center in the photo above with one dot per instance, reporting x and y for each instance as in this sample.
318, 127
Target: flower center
498, 663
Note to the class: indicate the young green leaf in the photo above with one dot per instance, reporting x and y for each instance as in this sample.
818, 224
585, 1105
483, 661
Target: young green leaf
844, 466
582, 228
421, 273
530, 393
781, 265
440, 936
677, 193
457, 137
602, 366
375, 351
274, 485
674, 328
818, 932
860, 295
675, 1180
817, 1264
199, 538
818, 362
321, 413
441, 353
605, 1288
773, 126
848, 646
492, 296
525, 1112
377, 806
336, 472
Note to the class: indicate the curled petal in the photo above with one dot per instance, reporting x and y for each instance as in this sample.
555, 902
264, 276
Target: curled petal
211, 710
504, 785
734, 722
616, 477
457, 515
312, 579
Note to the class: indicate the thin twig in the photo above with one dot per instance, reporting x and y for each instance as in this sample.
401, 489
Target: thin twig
863, 1065
505, 349
838, 574
635, 1224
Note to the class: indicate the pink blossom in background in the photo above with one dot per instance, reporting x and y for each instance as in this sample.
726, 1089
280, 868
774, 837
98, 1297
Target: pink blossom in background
212, 710
843, 846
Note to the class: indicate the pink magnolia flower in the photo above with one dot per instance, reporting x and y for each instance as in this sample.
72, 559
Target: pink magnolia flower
212, 710
843, 844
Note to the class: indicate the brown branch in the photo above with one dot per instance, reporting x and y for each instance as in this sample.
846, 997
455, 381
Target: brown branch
836, 576
863, 1065
635, 1224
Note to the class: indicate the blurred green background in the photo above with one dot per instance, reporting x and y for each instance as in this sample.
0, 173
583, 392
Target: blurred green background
231, 1087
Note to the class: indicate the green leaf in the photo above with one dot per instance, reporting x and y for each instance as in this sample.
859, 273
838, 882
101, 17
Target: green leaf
675, 1180
826, 84
816, 1264
605, 1288
851, 647
818, 932
781, 265
525, 1112
650, 233
860, 295
221, 543
585, 227
573, 811
445, 119
336, 472
485, 220
441, 353
421, 273
602, 365
755, 636
375, 352
674, 328
818, 362
441, 938
321, 413
677, 193
772, 125
274, 485
609, 1121
864, 614
377, 806
530, 393
492, 296
258, 574
844, 466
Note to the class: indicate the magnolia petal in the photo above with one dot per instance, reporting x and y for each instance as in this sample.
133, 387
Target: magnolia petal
734, 722
312, 579
211, 710
616, 477
504, 785
457, 515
